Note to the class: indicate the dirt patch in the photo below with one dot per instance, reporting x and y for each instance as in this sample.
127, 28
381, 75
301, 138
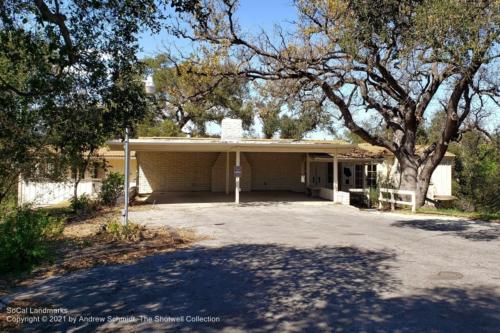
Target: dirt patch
99, 247
99, 239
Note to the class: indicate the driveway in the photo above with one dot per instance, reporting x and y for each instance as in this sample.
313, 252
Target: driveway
292, 268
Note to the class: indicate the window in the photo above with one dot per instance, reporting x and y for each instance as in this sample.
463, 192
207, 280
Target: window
358, 176
330, 172
371, 177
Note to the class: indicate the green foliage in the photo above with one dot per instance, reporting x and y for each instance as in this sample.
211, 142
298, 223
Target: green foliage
120, 231
293, 128
159, 128
477, 168
70, 78
24, 239
183, 96
485, 216
112, 188
84, 205
286, 112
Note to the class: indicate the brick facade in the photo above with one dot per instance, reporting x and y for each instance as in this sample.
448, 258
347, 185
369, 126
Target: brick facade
191, 171
174, 172
277, 171
219, 173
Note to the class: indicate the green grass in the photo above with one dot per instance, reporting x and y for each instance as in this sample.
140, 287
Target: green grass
486, 216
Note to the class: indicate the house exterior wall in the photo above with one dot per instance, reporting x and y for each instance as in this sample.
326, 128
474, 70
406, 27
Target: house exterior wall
277, 171
44, 193
440, 183
441, 178
175, 171
118, 165
187, 171
219, 173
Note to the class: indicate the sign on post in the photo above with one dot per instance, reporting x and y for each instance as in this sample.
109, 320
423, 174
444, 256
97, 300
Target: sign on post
237, 171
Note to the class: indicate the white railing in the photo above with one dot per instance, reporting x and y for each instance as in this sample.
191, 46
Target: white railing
363, 191
393, 201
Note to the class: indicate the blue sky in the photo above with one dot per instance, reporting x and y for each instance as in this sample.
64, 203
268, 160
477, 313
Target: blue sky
252, 16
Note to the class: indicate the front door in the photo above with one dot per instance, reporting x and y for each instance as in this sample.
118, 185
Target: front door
347, 176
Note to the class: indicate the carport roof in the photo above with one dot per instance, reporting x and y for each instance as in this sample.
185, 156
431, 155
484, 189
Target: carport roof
244, 145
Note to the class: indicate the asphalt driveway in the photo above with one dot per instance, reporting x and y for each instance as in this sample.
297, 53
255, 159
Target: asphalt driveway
292, 268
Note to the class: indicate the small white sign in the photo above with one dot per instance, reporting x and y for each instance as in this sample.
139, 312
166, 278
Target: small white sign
237, 171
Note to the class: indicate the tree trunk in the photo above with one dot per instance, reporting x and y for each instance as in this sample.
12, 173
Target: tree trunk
422, 188
416, 179
75, 188
412, 180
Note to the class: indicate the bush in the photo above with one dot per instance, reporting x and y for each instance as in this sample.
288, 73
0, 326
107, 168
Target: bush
112, 188
24, 239
118, 231
84, 205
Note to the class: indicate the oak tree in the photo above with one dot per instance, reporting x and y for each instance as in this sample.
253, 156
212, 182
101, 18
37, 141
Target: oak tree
400, 61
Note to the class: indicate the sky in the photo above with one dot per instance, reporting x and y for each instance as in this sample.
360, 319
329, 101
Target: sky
253, 15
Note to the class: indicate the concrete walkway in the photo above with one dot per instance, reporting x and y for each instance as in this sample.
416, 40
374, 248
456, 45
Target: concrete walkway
294, 267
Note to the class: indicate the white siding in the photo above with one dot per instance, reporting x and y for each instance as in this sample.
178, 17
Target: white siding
441, 178
50, 193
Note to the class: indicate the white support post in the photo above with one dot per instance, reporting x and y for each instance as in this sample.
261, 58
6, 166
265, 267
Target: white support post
335, 178
227, 172
308, 169
413, 202
127, 172
365, 183
365, 175
237, 180
380, 198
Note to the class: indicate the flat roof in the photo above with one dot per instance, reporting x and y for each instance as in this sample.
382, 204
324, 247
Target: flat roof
243, 145
347, 150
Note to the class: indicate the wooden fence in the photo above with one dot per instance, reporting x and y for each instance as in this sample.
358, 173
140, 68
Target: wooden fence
392, 200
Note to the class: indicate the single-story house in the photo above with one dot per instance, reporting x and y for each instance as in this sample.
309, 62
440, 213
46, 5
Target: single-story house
331, 170
47, 192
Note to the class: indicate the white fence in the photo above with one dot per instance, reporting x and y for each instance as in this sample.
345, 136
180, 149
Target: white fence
50, 193
393, 201
363, 191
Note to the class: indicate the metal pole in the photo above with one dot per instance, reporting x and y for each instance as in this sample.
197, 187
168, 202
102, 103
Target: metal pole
237, 180
127, 172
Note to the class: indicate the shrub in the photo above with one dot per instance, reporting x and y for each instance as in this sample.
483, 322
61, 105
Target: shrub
373, 196
119, 231
112, 188
84, 204
24, 239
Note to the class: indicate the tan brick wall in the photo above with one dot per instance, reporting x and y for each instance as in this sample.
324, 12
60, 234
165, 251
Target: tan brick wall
276, 171
189, 171
219, 173
118, 165
175, 171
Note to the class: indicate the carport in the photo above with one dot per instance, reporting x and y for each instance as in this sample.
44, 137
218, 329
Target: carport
215, 169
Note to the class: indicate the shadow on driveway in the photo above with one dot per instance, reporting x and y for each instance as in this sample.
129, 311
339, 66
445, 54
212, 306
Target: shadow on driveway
462, 228
266, 288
